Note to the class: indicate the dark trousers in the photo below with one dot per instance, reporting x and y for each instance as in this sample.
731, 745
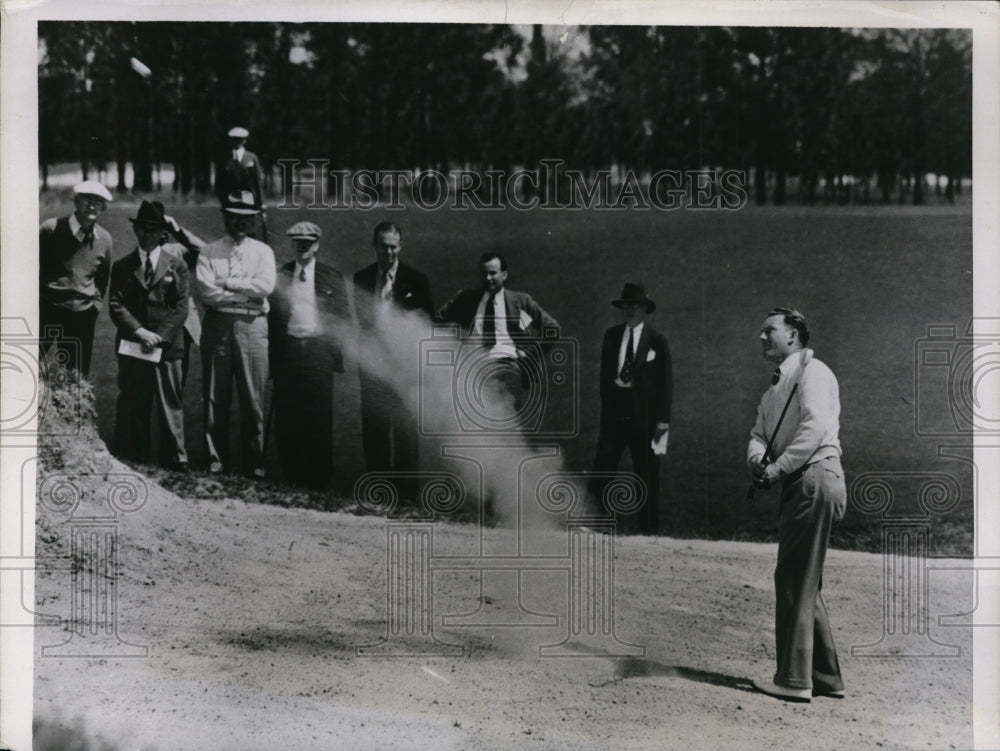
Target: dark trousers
303, 410
141, 385
621, 430
68, 334
234, 347
811, 500
389, 435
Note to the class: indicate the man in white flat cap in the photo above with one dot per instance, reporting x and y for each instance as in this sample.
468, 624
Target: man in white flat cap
239, 169
74, 268
308, 319
234, 276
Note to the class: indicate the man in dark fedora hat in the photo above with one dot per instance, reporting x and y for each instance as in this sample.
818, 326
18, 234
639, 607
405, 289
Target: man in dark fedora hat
148, 304
307, 322
234, 276
636, 391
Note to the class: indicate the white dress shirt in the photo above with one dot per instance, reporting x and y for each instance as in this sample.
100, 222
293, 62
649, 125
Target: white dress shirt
303, 321
504, 347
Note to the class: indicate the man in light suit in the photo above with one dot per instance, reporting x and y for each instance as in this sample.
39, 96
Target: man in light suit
233, 278
504, 321
308, 317
796, 440
148, 303
636, 392
382, 291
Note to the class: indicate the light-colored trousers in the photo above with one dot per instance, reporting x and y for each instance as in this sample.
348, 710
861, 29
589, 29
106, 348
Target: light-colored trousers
811, 500
234, 346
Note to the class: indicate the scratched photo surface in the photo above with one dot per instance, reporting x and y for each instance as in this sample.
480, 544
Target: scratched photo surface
405, 522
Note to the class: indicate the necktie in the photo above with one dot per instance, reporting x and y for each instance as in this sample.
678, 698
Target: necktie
236, 263
490, 322
776, 376
387, 285
626, 375
302, 274
148, 271
88, 236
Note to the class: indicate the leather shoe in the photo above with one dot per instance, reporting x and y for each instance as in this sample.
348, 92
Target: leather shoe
769, 687
831, 694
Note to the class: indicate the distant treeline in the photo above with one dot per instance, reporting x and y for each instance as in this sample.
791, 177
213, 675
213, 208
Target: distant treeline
809, 113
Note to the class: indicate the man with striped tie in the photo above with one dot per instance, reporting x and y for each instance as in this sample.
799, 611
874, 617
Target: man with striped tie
234, 276
636, 392
148, 304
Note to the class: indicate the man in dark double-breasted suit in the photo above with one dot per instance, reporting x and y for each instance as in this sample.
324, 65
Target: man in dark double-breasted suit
636, 391
383, 292
308, 318
148, 303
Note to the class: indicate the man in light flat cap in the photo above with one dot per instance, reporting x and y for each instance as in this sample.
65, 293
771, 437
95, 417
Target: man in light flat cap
239, 169
148, 303
636, 392
234, 276
308, 319
74, 268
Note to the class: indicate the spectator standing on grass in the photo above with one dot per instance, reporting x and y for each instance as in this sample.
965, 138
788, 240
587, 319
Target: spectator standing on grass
384, 291
148, 303
240, 169
309, 314
503, 321
189, 246
235, 274
74, 268
804, 452
636, 392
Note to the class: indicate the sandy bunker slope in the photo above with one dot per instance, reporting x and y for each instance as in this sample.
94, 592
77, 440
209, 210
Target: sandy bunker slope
251, 614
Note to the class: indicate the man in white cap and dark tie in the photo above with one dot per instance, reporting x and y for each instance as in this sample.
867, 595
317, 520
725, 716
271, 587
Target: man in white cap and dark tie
234, 276
308, 319
74, 268
240, 169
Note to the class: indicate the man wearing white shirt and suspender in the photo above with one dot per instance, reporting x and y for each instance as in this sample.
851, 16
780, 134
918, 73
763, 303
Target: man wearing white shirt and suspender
234, 276
795, 439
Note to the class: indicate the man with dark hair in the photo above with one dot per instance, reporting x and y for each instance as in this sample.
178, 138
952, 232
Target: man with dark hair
148, 303
234, 276
384, 291
308, 318
503, 321
636, 392
795, 439
74, 267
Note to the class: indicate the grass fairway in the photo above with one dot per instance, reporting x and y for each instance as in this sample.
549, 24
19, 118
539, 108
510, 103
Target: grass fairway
870, 280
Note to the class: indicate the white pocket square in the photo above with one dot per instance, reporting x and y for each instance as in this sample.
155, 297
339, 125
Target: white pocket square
525, 319
408, 295
650, 356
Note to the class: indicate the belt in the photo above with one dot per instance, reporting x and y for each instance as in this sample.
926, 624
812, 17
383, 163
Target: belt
236, 311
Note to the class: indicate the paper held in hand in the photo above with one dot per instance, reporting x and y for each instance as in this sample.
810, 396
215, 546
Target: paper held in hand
660, 447
134, 349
